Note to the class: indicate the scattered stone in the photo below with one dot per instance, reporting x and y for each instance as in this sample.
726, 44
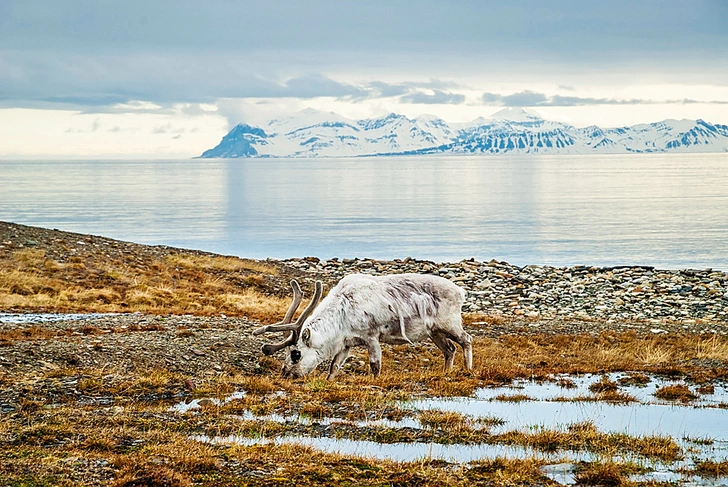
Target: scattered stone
622, 293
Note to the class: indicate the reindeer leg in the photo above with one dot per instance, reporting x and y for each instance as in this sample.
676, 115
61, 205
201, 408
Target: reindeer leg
375, 356
453, 329
447, 348
337, 363
466, 342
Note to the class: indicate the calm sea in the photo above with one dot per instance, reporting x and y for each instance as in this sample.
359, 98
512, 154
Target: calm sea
669, 211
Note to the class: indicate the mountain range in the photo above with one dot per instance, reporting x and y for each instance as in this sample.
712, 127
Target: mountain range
312, 133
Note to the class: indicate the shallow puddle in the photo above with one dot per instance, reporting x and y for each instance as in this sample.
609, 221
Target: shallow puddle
23, 318
404, 452
696, 420
689, 424
561, 466
565, 474
190, 405
579, 387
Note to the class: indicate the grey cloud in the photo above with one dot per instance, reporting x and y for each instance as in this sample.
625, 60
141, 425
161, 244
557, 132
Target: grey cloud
93, 55
95, 125
533, 99
438, 97
115, 84
688, 101
382, 89
522, 99
387, 89
163, 129
167, 129
101, 83
318, 85
573, 101
592, 30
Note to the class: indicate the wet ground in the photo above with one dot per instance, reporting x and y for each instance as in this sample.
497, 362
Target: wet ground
35, 318
94, 362
699, 426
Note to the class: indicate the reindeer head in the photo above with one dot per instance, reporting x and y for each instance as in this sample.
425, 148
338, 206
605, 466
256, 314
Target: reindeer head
292, 365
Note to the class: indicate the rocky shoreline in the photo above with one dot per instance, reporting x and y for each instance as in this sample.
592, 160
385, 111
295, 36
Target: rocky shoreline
502, 300
533, 291
688, 296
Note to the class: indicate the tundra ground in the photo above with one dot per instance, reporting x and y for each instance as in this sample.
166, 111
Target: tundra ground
89, 401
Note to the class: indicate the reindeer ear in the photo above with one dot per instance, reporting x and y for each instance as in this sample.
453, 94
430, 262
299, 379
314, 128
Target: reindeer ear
306, 337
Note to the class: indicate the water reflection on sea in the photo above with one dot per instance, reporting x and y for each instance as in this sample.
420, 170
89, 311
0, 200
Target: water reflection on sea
662, 210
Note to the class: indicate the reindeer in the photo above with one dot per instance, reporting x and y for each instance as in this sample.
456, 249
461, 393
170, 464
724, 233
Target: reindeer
364, 310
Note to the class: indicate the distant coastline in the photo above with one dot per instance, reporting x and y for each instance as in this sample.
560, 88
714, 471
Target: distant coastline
310, 133
642, 293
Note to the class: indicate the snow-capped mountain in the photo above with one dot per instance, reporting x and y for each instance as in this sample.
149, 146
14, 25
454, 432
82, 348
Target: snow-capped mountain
311, 133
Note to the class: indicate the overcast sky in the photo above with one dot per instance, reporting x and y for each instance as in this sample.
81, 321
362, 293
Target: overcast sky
152, 78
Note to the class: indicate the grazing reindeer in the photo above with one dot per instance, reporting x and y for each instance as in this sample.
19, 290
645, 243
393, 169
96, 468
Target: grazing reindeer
364, 310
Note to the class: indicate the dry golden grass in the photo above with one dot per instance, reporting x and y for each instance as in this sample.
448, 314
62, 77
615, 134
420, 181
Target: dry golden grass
146, 443
636, 379
259, 385
506, 358
221, 263
710, 468
676, 392
713, 348
504, 471
513, 398
412, 371
605, 475
177, 283
142, 450
586, 437
8, 337
616, 397
603, 385
90, 431
443, 419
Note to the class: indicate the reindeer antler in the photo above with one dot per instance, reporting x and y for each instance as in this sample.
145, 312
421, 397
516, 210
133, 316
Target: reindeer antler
286, 325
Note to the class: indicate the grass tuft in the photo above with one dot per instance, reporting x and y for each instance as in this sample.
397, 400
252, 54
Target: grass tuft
603, 385
259, 385
602, 474
443, 419
512, 398
635, 379
150, 476
711, 468
676, 392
